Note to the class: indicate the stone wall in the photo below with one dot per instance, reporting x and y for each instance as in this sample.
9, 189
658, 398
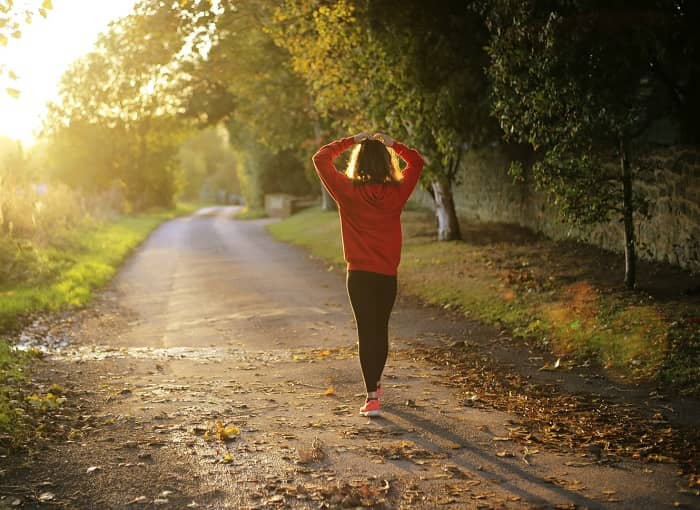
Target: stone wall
669, 177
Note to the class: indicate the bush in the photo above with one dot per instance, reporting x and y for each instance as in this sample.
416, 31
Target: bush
19, 260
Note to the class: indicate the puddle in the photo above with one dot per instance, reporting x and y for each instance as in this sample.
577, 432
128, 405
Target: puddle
37, 336
197, 354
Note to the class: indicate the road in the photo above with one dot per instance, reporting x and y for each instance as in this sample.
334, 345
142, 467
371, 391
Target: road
212, 320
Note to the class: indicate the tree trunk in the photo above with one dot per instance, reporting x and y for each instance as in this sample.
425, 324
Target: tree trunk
630, 256
327, 202
447, 221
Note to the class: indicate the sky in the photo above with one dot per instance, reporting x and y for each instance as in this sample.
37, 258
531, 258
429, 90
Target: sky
40, 57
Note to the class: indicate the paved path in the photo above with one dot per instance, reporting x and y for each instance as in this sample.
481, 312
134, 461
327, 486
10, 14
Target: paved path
212, 320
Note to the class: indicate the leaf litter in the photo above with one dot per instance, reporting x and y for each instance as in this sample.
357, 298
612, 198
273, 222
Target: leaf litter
588, 424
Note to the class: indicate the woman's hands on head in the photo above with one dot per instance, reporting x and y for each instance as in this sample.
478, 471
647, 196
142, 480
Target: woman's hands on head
381, 137
385, 139
361, 137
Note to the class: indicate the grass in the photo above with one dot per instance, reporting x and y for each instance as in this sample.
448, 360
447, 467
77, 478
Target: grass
555, 293
86, 260
12, 374
250, 214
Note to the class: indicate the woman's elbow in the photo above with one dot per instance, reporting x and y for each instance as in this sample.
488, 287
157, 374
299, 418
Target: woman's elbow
317, 159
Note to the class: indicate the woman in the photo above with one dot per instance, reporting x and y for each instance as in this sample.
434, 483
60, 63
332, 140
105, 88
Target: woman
370, 195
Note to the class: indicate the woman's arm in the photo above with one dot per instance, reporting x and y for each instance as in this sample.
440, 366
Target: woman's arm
332, 179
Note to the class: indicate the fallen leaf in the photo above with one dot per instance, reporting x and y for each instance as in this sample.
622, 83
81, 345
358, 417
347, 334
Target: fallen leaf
224, 433
656, 457
47, 496
330, 391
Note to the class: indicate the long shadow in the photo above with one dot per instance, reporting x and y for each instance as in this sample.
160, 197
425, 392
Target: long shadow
431, 427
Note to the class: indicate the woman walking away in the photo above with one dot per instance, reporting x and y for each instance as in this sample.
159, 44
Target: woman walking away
370, 195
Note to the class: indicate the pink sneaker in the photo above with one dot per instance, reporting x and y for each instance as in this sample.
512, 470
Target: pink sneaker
371, 408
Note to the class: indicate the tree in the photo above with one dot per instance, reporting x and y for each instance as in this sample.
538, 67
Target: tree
412, 68
579, 81
12, 17
116, 118
240, 79
272, 120
208, 163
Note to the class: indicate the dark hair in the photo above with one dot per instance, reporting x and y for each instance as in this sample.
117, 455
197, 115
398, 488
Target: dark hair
371, 162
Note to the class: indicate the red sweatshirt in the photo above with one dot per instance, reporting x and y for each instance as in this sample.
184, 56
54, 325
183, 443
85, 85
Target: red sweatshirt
370, 214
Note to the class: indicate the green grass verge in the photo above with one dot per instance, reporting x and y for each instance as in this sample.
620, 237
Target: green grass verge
12, 374
515, 287
88, 258
86, 261
316, 230
250, 214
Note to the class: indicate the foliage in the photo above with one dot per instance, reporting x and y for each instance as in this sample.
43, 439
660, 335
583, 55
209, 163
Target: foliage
70, 268
271, 123
12, 373
33, 212
402, 67
559, 86
12, 16
208, 164
116, 119
241, 79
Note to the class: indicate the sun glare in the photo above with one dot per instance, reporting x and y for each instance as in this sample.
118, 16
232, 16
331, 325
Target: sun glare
42, 54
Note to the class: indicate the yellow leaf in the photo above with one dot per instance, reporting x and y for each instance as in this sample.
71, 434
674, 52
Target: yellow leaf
3, 40
12, 75
47, 4
228, 458
224, 433
330, 391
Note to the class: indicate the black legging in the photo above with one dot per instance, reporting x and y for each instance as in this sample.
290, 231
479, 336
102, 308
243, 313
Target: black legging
372, 297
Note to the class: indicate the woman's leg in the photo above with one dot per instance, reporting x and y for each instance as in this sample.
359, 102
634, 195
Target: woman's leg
385, 303
372, 297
